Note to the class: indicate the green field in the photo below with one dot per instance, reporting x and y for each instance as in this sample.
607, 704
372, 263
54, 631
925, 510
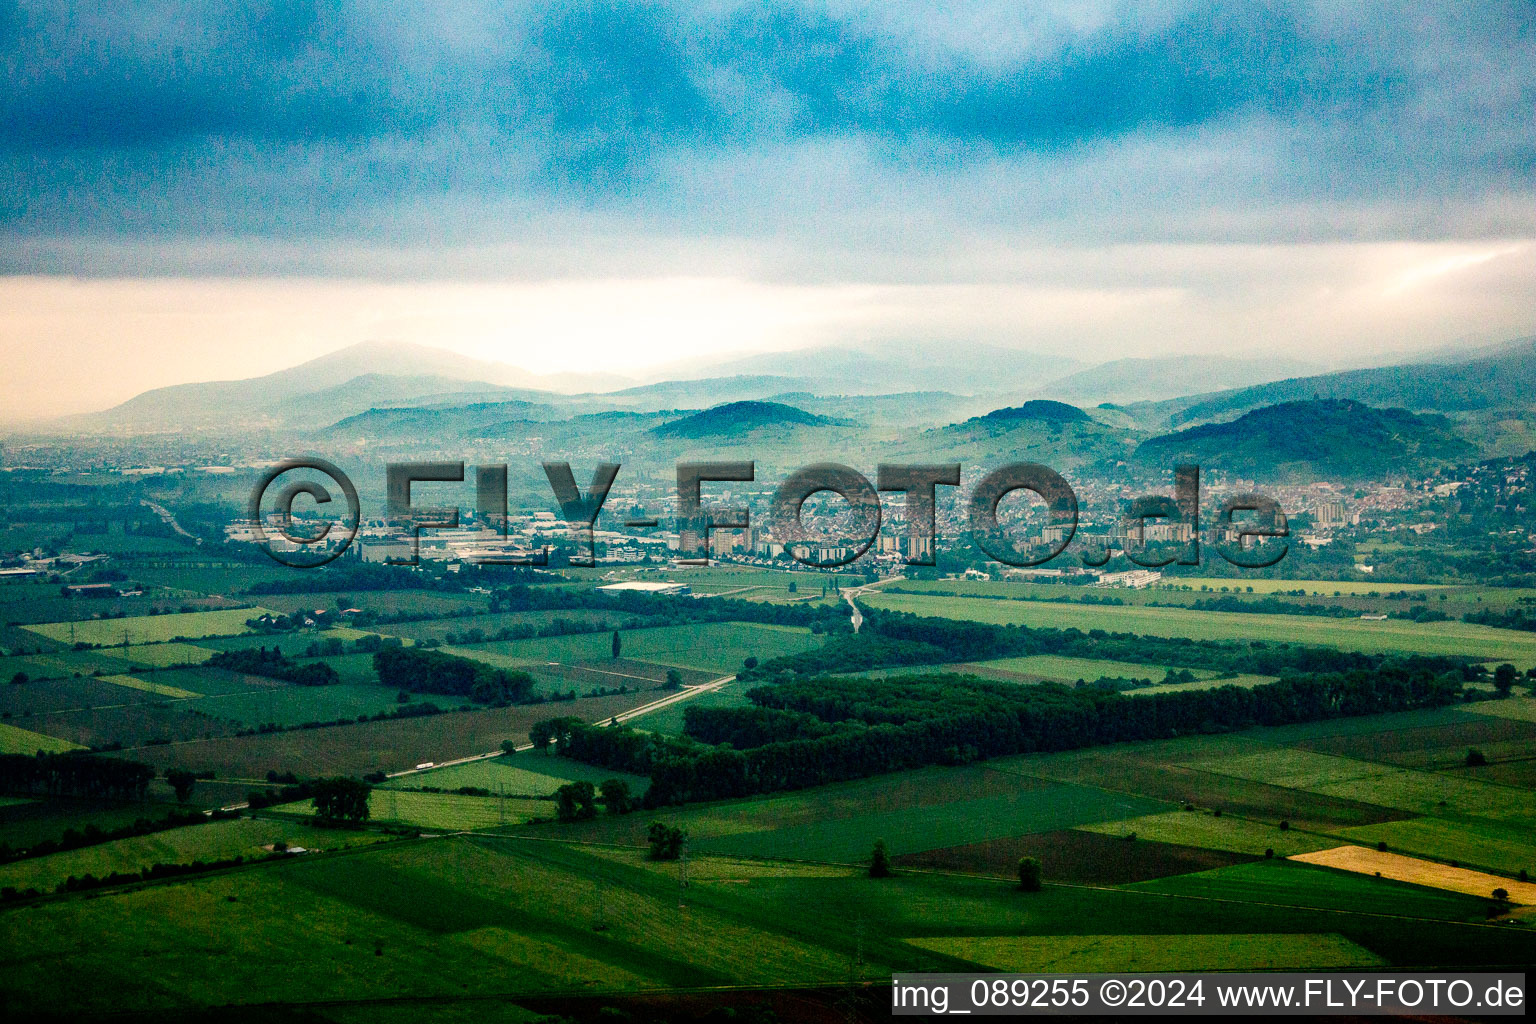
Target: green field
294, 705
1205, 830
1453, 638
147, 685
373, 746
915, 829
143, 629
165, 655
1117, 953
451, 812
24, 741
1050, 666
528, 773
1416, 791
670, 718
1509, 848
1293, 884
217, 840
714, 647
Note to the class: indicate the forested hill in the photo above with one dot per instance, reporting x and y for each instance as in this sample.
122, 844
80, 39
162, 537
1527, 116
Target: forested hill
1505, 379
739, 418
1328, 439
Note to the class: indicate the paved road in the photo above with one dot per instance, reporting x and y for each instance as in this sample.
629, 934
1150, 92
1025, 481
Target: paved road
686, 693
169, 520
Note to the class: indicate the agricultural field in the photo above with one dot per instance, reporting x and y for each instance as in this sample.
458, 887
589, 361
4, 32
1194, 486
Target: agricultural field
527, 773
1417, 791
1452, 638
670, 718
488, 625
373, 746
1058, 954
718, 647
917, 829
1385, 864
1207, 831
14, 740
145, 629
460, 918
1485, 844
216, 840
1174, 854
449, 812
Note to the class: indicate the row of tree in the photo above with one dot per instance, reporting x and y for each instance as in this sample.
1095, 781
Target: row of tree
274, 664
815, 731
75, 775
427, 671
894, 639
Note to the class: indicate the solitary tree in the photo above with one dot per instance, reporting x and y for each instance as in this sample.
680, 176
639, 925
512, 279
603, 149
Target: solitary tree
617, 643
1029, 874
1501, 894
19, 679
666, 841
182, 782
616, 796
576, 801
341, 799
879, 861
1476, 758
1504, 678
674, 678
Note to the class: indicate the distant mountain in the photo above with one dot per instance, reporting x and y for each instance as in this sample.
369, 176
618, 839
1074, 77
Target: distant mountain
1505, 380
1326, 439
736, 418
314, 393
439, 422
959, 367
700, 393
1150, 380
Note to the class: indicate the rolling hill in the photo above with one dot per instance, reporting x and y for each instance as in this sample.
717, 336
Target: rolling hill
1164, 377
737, 418
1324, 439
1504, 380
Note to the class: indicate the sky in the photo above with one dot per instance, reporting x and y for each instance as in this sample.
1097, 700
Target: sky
198, 192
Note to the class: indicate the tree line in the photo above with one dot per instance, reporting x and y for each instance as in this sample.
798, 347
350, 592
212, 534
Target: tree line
274, 664
894, 639
75, 775
427, 671
808, 732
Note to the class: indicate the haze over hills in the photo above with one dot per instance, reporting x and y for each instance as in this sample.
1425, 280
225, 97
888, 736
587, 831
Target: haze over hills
405, 393
958, 367
317, 392
1504, 380
1150, 380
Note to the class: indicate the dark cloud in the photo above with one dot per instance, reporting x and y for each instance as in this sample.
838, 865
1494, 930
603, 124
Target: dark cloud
283, 118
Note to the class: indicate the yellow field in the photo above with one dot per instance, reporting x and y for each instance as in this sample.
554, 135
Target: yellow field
1420, 872
25, 741
158, 689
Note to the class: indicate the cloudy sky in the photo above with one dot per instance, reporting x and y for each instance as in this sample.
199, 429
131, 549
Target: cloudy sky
197, 192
